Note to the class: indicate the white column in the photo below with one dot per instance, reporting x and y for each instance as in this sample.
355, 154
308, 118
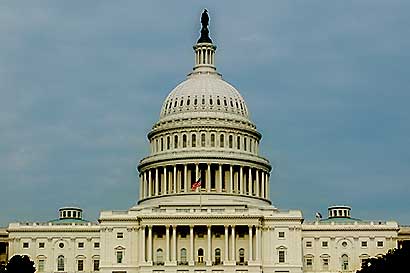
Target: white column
156, 182
208, 178
250, 182
267, 186
250, 243
209, 250
141, 186
226, 244
257, 246
230, 179
186, 178
167, 243
175, 179
191, 244
142, 250
149, 183
145, 186
220, 178
165, 189
241, 179
257, 182
233, 250
196, 172
174, 243
263, 185
149, 243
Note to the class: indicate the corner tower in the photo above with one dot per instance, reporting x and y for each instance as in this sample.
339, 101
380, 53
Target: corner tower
204, 134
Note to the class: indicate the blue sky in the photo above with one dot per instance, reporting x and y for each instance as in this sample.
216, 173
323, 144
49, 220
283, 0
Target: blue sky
82, 82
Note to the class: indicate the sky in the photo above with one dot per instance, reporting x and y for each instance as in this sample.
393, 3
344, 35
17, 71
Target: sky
326, 82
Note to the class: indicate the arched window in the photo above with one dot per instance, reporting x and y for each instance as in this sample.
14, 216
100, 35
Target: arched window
60, 263
212, 140
188, 102
217, 256
183, 256
222, 141
181, 103
345, 262
193, 140
244, 143
162, 144
168, 143
218, 101
230, 141
184, 141
308, 262
250, 145
281, 254
203, 140
238, 142
241, 256
160, 257
200, 256
203, 100
175, 142
210, 101
195, 101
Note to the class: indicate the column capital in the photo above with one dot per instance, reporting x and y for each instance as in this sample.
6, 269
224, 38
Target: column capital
167, 225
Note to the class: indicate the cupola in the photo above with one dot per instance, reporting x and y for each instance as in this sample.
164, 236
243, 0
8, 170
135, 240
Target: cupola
70, 213
339, 212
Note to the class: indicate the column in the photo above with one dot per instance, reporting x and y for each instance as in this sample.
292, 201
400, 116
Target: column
149, 183
174, 243
167, 243
175, 179
208, 178
230, 179
267, 186
150, 244
141, 186
220, 178
226, 244
142, 250
257, 242
145, 184
257, 182
209, 250
165, 190
233, 250
263, 184
186, 178
191, 244
250, 182
241, 179
250, 243
156, 182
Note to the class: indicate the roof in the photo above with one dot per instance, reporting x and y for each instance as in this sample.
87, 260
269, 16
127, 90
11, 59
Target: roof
68, 221
341, 220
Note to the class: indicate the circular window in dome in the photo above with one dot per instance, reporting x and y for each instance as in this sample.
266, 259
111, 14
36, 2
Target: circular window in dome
344, 244
61, 245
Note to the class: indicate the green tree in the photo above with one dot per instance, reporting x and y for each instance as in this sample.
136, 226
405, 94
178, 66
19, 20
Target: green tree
395, 261
20, 264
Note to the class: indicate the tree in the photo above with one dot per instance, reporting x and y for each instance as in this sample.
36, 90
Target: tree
20, 264
397, 260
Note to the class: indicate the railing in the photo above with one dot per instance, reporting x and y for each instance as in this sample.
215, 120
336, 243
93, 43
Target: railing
182, 263
158, 263
242, 263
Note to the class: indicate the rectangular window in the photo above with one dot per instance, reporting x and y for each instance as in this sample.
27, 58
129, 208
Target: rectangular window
281, 256
120, 235
80, 245
80, 265
309, 262
119, 257
325, 263
380, 244
364, 243
41, 265
281, 234
41, 245
25, 245
325, 244
308, 244
96, 245
96, 265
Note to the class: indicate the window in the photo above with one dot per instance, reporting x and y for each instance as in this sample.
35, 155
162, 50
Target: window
202, 140
281, 255
281, 234
245, 140
193, 140
308, 244
162, 144
217, 256
61, 245
69, 214
344, 244
212, 140
325, 244
238, 142
325, 263
41, 245
241, 256
183, 256
345, 262
96, 245
309, 263
200, 255
80, 265
80, 245
41, 266
222, 141
168, 143
25, 245
230, 141
160, 257
96, 265
175, 142
364, 243
120, 255
184, 142
380, 244
120, 235
60, 263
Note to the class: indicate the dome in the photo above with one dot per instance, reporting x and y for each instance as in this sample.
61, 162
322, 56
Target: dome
204, 95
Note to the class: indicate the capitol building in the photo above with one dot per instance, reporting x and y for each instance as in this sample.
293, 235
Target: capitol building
204, 203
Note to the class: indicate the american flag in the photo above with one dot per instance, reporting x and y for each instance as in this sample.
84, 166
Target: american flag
196, 185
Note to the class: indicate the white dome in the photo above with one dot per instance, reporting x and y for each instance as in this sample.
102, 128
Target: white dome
204, 95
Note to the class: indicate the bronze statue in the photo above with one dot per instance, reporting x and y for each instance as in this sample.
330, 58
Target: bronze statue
204, 30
